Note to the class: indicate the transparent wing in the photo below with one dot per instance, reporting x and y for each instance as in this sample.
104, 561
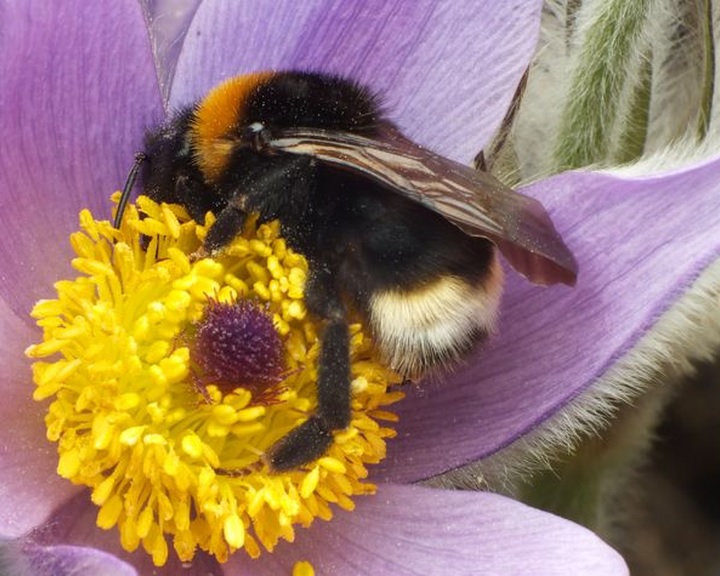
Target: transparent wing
474, 201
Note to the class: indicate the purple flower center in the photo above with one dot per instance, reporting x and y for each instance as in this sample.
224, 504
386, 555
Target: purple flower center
237, 345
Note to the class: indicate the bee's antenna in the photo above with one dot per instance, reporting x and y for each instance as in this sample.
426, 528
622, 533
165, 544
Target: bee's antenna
140, 157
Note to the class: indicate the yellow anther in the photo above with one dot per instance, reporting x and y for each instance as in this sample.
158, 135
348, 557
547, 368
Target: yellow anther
224, 414
192, 446
310, 482
258, 272
303, 568
234, 531
332, 465
110, 512
131, 436
250, 414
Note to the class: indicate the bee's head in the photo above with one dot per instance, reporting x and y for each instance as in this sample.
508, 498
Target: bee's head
187, 159
170, 171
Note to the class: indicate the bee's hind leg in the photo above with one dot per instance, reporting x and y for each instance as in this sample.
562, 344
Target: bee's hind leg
312, 438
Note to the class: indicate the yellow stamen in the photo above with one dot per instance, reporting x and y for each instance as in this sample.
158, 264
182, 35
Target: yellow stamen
127, 415
303, 568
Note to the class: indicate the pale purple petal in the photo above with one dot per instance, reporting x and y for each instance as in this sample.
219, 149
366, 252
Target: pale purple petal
639, 244
74, 524
78, 90
19, 558
406, 530
30, 489
447, 70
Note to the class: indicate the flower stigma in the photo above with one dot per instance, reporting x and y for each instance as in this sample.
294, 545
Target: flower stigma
169, 378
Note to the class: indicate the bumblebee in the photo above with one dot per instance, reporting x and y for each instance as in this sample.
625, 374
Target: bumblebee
406, 238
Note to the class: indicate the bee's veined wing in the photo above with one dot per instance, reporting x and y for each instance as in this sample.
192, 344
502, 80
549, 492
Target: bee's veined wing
476, 202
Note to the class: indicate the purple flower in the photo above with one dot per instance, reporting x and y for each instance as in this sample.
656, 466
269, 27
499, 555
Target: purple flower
80, 86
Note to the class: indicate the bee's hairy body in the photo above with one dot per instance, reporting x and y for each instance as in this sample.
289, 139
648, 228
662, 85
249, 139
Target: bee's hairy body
428, 290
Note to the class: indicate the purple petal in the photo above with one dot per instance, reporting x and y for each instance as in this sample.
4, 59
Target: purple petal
639, 243
447, 70
30, 489
79, 88
74, 524
21, 559
414, 530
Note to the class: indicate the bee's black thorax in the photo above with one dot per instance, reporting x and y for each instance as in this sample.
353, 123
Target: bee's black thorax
310, 100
